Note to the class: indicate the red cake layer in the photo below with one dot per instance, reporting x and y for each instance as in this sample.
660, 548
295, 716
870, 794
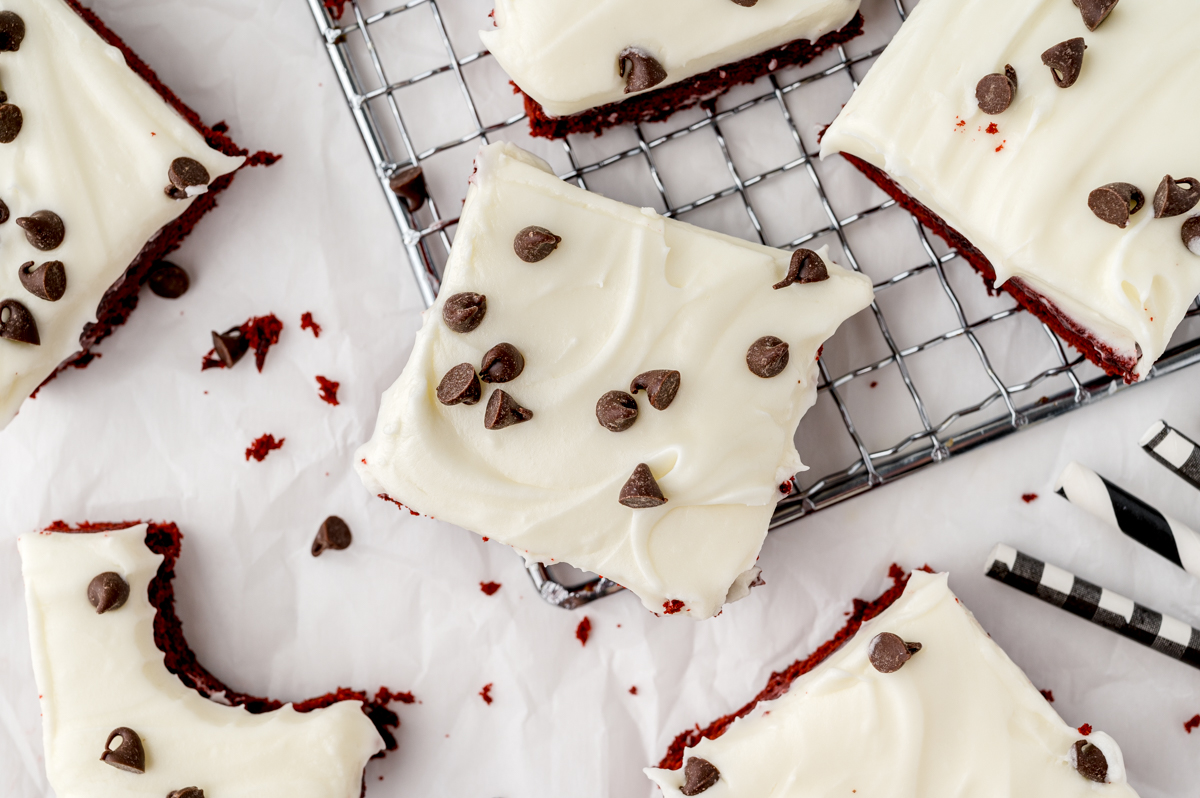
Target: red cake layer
656, 106
1063, 325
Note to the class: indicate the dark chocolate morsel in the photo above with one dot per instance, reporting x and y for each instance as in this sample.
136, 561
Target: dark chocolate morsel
186, 792
12, 31
767, 356
230, 346
44, 229
641, 490
616, 411
806, 267
1095, 11
660, 385
501, 363
3, 210
464, 312
504, 411
409, 185
128, 755
187, 172
168, 280
17, 324
11, 121
996, 92
639, 70
48, 281
888, 652
1090, 761
1172, 199
1116, 202
1065, 60
107, 591
1191, 234
698, 775
746, 3
333, 534
460, 386
535, 244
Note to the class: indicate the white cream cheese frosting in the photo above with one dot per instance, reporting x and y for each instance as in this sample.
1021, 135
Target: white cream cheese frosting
94, 148
97, 672
564, 53
958, 720
626, 291
1021, 195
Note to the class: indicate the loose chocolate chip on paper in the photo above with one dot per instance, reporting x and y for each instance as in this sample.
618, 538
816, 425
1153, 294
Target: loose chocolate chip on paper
1191, 234
767, 356
1090, 761
460, 386
616, 411
698, 775
3, 212
504, 411
333, 534
888, 652
640, 70
464, 312
1172, 199
502, 363
186, 792
128, 755
996, 92
17, 324
641, 490
534, 244
806, 267
230, 346
43, 229
48, 281
11, 121
1116, 202
107, 591
1095, 11
661, 386
409, 185
168, 280
12, 31
1065, 60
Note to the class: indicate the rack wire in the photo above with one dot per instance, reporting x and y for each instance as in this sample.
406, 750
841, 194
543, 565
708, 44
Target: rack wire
972, 369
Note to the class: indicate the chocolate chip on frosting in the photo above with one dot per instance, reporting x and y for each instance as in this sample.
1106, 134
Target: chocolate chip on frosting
186, 792
534, 244
1172, 199
1065, 60
11, 120
639, 70
698, 775
996, 92
43, 229
806, 267
107, 591
128, 755
767, 356
168, 280
3, 212
501, 363
1116, 202
661, 386
1095, 11
230, 346
641, 490
48, 281
409, 185
17, 324
616, 411
1090, 761
460, 386
504, 411
184, 173
333, 534
12, 31
1191, 234
888, 652
746, 3
464, 312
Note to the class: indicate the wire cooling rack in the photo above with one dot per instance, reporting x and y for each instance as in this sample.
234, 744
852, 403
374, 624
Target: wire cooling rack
935, 367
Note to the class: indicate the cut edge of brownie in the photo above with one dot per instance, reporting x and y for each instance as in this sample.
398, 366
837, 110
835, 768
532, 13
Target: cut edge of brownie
655, 106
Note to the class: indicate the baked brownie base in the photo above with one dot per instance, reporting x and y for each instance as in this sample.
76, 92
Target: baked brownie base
656, 106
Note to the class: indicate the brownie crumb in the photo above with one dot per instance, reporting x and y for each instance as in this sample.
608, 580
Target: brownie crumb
486, 693
1048, 695
583, 631
307, 323
1029, 498
489, 588
1085, 729
633, 691
263, 446
673, 606
1194, 723
328, 390
336, 7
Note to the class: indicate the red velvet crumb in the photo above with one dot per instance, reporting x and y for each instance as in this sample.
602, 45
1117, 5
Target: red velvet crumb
486, 693
1029, 497
633, 691
993, 129
1194, 723
261, 331
583, 631
489, 588
1085, 729
673, 606
328, 390
336, 7
874, 384
1048, 695
1001, 145
263, 446
486, 538
307, 323
388, 498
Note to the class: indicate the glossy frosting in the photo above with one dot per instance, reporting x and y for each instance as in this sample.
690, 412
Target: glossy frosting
94, 148
98, 672
563, 53
1026, 206
958, 720
626, 291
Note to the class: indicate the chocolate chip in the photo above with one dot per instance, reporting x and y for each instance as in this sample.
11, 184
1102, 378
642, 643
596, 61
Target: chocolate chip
535, 244
230, 346
460, 386
1116, 202
11, 121
185, 173
17, 324
333, 534
107, 591
641, 490
43, 229
660, 385
503, 411
767, 356
48, 281
1095, 11
616, 411
699, 774
995, 92
128, 755
501, 363
186, 792
409, 185
168, 280
12, 31
1065, 59
1089, 760
1172, 199
639, 70
1191, 234
3, 212
888, 652
746, 3
464, 312
806, 267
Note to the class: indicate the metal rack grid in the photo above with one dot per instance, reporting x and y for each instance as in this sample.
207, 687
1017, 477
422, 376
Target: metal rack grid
1061, 383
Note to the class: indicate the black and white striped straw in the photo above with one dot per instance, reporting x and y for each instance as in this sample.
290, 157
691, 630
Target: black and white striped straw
1166, 536
1173, 449
1100, 606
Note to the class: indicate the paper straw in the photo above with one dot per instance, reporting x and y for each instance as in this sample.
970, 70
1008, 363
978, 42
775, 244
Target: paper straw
1055, 586
1131, 515
1173, 449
